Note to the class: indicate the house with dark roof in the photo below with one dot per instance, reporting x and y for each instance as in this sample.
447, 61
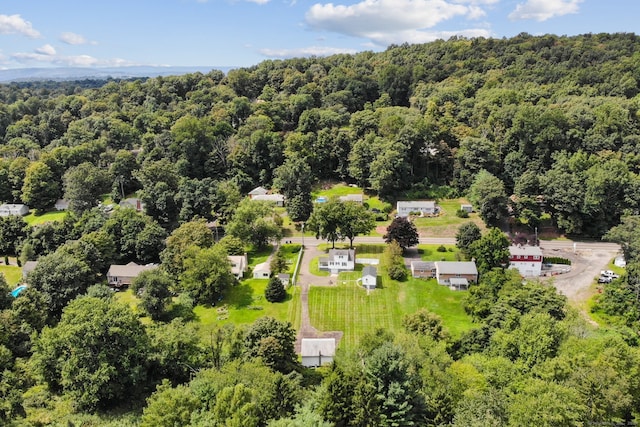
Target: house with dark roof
423, 269
338, 260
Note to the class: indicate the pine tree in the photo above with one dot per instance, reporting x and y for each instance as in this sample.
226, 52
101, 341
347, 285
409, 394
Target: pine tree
275, 291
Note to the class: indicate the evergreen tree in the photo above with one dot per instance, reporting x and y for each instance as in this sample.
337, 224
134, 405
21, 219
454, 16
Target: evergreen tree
275, 291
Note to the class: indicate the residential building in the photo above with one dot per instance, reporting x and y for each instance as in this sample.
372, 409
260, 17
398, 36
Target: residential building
466, 207
526, 259
423, 269
317, 351
10, 209
27, 268
416, 207
238, 265
356, 198
338, 260
258, 191
132, 202
123, 275
278, 199
447, 270
61, 205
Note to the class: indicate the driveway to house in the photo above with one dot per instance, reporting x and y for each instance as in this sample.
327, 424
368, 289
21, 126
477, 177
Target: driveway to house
305, 281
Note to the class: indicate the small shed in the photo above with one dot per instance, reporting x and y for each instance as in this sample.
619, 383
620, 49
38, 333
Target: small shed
466, 207
317, 351
262, 271
284, 278
369, 277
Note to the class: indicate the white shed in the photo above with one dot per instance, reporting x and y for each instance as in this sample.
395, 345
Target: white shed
369, 277
317, 351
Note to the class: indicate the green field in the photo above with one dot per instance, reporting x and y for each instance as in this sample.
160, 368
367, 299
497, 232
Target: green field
347, 307
33, 219
244, 303
12, 274
447, 223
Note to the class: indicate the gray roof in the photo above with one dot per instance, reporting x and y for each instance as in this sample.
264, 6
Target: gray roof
423, 265
129, 270
284, 276
352, 198
459, 281
258, 191
426, 204
525, 250
318, 346
369, 270
456, 267
350, 253
28, 267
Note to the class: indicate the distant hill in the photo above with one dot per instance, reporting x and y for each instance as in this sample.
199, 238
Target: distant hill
74, 73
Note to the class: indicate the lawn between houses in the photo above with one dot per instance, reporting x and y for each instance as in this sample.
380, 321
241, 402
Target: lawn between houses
349, 308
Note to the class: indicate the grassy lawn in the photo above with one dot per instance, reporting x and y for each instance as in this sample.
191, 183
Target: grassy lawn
447, 223
336, 190
244, 303
431, 253
347, 307
12, 274
33, 219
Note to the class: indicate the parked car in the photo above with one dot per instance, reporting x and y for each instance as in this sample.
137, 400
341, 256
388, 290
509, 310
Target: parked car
609, 273
604, 279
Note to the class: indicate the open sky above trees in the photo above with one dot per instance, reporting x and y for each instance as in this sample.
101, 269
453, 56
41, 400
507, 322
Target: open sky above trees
41, 33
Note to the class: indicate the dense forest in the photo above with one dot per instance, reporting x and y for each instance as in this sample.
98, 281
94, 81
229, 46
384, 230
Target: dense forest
530, 126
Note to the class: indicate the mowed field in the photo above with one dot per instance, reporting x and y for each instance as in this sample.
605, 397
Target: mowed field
349, 308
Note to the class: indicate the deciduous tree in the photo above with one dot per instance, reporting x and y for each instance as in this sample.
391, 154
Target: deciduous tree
402, 231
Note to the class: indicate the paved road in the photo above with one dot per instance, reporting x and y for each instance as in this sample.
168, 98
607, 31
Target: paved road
544, 244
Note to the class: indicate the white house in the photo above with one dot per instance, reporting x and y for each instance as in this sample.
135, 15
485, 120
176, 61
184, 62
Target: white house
526, 259
9, 209
258, 191
369, 277
338, 260
423, 207
262, 271
238, 265
278, 199
317, 351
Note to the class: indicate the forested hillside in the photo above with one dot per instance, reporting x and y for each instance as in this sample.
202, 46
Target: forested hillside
542, 125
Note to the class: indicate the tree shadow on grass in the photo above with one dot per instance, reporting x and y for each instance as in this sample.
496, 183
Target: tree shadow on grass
240, 296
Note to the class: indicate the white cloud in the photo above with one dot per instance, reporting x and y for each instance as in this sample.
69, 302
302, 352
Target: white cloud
541, 10
259, 1
304, 51
393, 21
74, 39
47, 49
14, 24
68, 61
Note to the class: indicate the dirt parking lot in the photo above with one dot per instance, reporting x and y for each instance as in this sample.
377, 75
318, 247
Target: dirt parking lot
586, 265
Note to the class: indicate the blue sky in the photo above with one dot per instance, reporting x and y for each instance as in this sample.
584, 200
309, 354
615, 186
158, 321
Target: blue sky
45, 33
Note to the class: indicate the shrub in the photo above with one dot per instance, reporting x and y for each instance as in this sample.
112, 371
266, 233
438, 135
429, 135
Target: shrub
461, 213
441, 248
556, 260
